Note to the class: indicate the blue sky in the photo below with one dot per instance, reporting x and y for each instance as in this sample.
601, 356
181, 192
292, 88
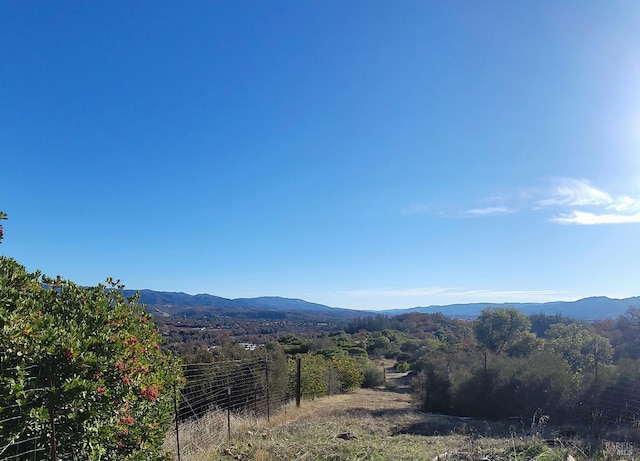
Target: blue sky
360, 154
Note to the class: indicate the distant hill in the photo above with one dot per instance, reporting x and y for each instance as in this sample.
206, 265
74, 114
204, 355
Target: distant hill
598, 307
203, 305
287, 304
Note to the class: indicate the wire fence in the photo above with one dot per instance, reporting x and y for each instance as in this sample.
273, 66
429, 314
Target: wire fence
239, 385
219, 397
35, 442
215, 397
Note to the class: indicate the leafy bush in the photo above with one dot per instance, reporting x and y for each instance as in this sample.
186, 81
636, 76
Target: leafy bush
313, 374
85, 360
350, 373
373, 377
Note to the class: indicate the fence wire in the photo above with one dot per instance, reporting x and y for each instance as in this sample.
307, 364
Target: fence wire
215, 395
218, 397
23, 433
247, 386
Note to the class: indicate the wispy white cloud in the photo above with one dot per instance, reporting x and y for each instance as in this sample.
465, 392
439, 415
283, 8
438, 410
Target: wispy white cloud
584, 204
396, 292
512, 295
492, 210
457, 295
567, 201
624, 203
586, 218
575, 192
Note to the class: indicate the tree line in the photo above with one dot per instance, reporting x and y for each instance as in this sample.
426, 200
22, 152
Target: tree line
505, 365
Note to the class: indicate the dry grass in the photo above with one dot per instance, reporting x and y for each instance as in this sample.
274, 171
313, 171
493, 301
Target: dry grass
368, 425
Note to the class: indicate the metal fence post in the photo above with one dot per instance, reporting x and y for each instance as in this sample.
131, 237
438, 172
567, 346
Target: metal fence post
298, 381
175, 409
266, 368
54, 451
229, 412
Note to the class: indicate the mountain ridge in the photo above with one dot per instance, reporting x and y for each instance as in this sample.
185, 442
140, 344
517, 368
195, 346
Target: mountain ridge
590, 308
183, 304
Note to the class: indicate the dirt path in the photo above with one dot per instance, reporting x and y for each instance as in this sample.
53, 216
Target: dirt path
399, 382
388, 407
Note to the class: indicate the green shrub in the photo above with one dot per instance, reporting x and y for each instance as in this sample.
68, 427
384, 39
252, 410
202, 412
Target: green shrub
314, 368
86, 359
373, 377
350, 373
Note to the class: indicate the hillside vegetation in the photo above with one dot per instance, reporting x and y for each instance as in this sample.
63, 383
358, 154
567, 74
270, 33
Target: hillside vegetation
366, 425
505, 384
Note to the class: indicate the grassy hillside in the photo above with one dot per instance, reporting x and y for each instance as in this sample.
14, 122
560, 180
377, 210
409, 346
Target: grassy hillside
368, 425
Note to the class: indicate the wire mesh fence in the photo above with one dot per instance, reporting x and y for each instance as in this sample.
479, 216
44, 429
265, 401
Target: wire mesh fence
218, 397
239, 385
24, 434
226, 390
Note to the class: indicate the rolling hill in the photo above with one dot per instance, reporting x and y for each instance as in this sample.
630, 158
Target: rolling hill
597, 307
202, 305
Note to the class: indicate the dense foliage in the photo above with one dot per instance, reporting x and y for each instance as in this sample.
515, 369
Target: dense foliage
321, 375
502, 329
507, 366
84, 362
506, 371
